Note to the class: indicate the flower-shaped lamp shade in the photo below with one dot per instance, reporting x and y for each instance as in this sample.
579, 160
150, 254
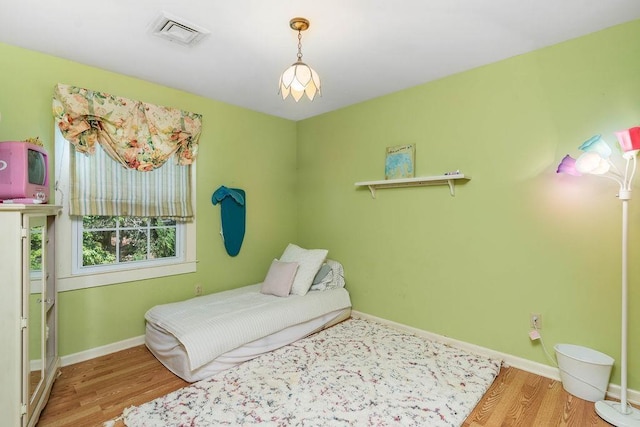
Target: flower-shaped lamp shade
592, 162
629, 139
598, 145
299, 79
568, 166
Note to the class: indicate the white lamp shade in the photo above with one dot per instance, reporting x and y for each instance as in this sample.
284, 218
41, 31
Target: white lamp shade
299, 79
591, 162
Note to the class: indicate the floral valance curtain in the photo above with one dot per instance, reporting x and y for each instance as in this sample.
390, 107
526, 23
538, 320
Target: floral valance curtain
138, 135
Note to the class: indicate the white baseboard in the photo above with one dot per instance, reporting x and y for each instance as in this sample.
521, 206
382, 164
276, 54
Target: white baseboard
101, 351
541, 369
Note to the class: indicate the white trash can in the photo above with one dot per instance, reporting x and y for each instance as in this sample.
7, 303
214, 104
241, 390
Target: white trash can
584, 372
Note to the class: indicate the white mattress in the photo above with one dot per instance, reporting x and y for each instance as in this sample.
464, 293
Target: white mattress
168, 350
213, 325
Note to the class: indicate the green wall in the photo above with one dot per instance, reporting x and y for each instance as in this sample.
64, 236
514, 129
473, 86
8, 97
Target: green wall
517, 238
238, 148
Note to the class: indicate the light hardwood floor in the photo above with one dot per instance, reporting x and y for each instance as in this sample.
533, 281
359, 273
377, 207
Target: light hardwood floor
95, 391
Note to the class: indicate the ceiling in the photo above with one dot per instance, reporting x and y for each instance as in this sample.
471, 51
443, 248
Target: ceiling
361, 49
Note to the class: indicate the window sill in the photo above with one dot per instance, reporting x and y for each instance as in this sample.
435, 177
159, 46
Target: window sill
71, 283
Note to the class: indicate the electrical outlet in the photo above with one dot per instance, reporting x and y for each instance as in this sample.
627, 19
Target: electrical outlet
198, 289
535, 320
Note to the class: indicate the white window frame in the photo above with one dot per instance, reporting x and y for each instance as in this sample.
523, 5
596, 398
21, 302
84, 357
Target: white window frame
69, 243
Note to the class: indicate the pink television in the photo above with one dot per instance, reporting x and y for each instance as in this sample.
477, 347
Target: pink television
24, 173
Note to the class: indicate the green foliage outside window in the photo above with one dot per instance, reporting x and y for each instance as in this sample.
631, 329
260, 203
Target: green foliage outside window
109, 240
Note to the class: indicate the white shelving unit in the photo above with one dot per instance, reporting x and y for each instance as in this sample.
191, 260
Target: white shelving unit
415, 182
28, 311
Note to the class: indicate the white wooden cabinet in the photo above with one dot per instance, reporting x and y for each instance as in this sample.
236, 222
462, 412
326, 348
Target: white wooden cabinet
29, 359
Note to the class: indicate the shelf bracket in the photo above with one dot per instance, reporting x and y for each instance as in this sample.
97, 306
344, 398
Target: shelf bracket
372, 189
452, 188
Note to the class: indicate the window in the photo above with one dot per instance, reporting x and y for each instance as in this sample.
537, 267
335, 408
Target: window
157, 147
102, 250
114, 241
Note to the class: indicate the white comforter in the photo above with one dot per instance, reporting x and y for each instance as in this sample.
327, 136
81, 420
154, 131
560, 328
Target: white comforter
213, 324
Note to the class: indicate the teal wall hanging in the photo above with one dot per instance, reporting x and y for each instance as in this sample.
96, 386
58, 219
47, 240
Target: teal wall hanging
233, 214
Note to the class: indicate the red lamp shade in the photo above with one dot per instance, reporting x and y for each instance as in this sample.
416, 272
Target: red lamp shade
629, 139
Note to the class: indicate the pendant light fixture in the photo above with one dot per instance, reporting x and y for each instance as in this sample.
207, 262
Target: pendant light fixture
299, 78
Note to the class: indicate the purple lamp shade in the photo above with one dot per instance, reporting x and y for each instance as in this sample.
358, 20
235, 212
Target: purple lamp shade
568, 166
598, 145
629, 139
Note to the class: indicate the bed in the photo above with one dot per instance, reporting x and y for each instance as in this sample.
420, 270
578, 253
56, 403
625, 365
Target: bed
202, 336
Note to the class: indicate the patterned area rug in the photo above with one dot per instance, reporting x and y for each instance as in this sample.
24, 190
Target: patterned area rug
355, 373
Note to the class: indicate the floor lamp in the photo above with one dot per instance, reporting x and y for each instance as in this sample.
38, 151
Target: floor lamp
596, 161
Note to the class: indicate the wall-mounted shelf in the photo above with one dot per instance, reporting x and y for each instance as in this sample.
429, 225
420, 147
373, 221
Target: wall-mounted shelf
415, 182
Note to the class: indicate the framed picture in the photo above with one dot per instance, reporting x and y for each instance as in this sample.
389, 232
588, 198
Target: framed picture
400, 162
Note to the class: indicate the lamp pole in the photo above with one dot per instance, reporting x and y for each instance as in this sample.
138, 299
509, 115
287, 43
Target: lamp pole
625, 285
621, 414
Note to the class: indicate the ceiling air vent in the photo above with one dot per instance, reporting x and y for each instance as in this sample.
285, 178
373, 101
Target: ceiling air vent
177, 30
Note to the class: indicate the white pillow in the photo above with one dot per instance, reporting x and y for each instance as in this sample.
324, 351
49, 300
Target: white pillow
309, 262
279, 278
